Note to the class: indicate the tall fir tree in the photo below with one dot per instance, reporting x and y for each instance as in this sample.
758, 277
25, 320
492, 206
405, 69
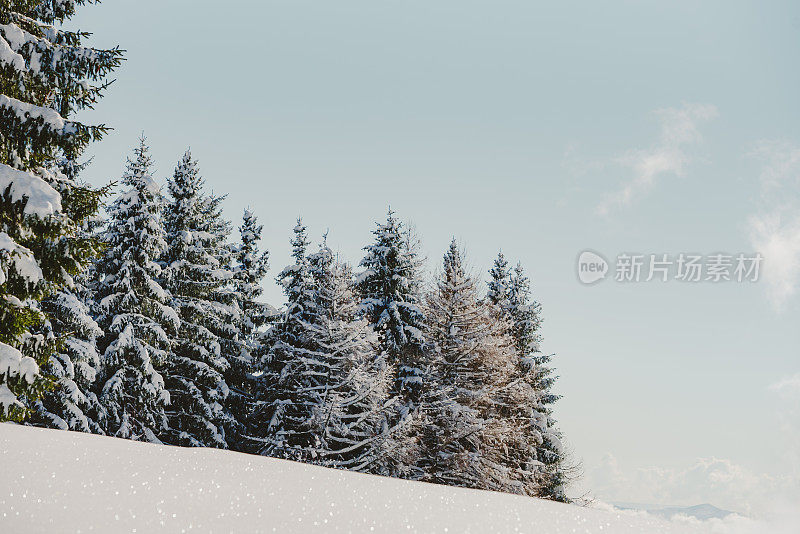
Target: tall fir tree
250, 267
288, 389
535, 371
74, 365
133, 309
465, 440
499, 283
390, 290
71, 404
539, 451
351, 420
250, 270
46, 74
197, 274
327, 383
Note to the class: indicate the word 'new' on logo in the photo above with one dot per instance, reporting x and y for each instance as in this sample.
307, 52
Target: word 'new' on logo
592, 267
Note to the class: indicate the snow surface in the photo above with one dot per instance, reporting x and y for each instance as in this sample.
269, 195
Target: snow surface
13, 363
7, 54
54, 480
26, 110
41, 199
25, 264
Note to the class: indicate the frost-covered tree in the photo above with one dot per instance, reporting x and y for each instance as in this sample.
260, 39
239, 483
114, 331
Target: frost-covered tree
287, 389
46, 74
351, 420
196, 274
535, 371
390, 290
499, 282
72, 404
133, 309
538, 453
251, 268
465, 439
329, 386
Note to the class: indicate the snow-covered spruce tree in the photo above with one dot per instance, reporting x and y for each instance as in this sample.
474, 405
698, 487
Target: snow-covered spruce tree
390, 288
351, 420
251, 268
196, 274
538, 452
465, 439
288, 386
72, 404
133, 309
327, 397
535, 371
45, 76
499, 282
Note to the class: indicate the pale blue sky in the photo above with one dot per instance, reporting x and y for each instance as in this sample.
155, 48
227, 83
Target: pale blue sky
505, 124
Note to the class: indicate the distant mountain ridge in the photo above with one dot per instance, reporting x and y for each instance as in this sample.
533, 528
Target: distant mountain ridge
699, 511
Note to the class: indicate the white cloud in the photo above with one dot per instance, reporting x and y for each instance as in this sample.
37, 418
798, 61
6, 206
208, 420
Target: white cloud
781, 164
784, 523
768, 497
668, 156
775, 229
776, 235
788, 385
708, 480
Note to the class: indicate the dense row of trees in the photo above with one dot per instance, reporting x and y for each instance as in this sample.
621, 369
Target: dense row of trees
148, 323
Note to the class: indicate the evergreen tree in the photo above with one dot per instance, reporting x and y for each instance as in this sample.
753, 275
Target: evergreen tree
534, 370
351, 419
288, 387
71, 404
74, 365
499, 283
251, 268
133, 309
538, 452
196, 275
327, 396
465, 440
46, 74
390, 288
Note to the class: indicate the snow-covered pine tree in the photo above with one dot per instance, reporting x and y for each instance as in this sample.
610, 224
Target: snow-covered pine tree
465, 439
46, 74
251, 268
72, 404
196, 274
228, 329
133, 309
499, 282
351, 420
288, 388
326, 395
390, 291
538, 454
534, 371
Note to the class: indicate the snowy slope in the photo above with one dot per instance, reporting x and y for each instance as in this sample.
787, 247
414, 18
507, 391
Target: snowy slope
59, 481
